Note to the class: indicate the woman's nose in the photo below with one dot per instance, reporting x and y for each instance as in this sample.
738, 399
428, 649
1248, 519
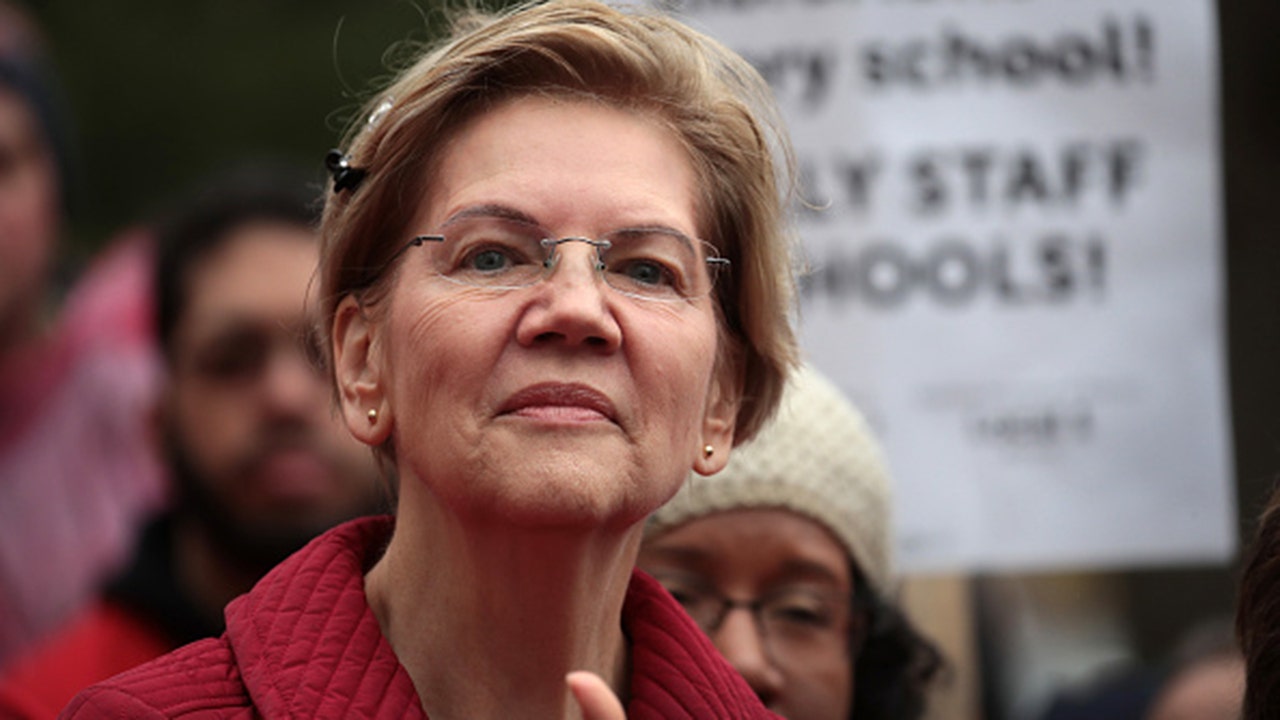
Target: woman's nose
741, 641
572, 304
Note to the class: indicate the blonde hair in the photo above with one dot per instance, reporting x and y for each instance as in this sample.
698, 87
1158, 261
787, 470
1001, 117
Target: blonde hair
713, 101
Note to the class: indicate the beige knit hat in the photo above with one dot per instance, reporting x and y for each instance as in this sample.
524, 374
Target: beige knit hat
817, 457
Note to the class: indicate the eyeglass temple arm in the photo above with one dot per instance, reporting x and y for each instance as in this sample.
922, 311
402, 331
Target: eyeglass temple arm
415, 241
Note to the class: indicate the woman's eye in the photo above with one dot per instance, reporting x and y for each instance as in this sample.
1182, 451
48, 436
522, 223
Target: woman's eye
493, 256
490, 260
477, 249
804, 616
647, 272
684, 598
683, 595
809, 612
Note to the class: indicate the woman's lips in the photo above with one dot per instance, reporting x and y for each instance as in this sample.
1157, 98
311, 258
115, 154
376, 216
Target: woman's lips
560, 402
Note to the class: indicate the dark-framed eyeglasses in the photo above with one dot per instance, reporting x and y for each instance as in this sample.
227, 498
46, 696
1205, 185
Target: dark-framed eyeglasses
498, 253
790, 617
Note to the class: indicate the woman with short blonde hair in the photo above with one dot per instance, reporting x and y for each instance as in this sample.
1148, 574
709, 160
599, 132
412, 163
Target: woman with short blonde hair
556, 278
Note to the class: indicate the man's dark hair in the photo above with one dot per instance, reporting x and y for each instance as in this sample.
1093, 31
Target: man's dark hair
206, 218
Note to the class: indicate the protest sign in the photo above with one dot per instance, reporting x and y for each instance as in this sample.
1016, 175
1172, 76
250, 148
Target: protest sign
1016, 248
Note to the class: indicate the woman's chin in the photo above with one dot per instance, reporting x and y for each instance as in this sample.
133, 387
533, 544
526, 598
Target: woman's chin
555, 483
557, 499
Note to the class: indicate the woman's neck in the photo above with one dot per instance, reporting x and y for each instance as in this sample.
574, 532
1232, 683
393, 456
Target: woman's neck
488, 619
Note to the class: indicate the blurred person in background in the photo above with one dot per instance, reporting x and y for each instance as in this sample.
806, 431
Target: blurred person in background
77, 474
1258, 616
1206, 678
784, 559
1202, 679
260, 462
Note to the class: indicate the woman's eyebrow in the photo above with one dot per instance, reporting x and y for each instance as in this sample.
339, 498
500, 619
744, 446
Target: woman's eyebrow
653, 228
492, 210
803, 569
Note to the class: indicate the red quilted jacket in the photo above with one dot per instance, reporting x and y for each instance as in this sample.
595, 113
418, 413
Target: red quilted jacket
304, 644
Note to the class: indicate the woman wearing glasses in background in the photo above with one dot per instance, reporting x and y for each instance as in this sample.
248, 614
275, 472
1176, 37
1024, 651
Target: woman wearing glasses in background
783, 558
554, 281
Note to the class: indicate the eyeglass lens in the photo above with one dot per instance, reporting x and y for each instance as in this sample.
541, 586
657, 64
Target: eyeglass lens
499, 253
788, 617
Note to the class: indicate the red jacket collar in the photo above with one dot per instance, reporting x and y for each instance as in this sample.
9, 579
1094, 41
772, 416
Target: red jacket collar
307, 643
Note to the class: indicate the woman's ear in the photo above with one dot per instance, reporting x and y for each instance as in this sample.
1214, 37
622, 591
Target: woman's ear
357, 368
719, 421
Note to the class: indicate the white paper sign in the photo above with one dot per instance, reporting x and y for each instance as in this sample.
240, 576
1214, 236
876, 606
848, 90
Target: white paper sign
1018, 270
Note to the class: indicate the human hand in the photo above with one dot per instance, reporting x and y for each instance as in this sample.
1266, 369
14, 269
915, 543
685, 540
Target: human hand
595, 698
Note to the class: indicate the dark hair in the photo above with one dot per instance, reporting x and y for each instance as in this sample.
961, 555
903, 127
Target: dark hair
895, 664
1258, 616
206, 218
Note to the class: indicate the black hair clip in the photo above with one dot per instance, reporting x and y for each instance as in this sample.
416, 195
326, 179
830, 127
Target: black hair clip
345, 177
